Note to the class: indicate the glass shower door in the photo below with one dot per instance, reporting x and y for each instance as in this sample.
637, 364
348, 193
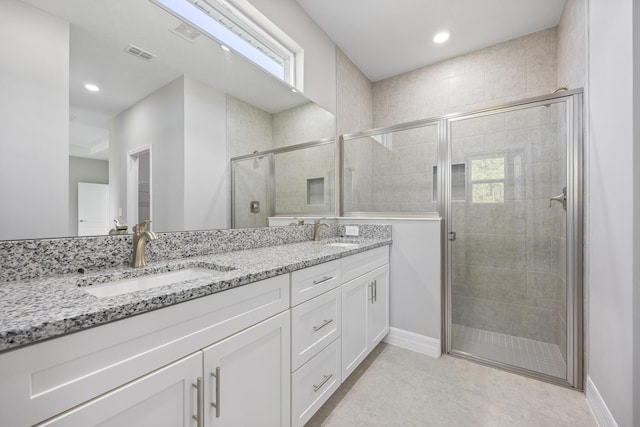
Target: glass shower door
508, 237
251, 191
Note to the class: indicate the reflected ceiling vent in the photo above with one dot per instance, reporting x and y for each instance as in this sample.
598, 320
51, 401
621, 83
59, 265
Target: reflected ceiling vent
186, 31
140, 53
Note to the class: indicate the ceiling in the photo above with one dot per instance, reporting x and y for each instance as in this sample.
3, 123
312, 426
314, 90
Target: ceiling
385, 38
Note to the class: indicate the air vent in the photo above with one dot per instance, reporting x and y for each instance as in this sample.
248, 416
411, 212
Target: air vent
140, 53
185, 31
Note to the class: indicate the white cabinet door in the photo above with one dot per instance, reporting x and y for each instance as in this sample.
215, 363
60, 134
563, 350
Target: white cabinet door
378, 315
355, 300
365, 316
164, 398
247, 377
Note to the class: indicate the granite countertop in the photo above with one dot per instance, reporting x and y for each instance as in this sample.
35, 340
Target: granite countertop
39, 309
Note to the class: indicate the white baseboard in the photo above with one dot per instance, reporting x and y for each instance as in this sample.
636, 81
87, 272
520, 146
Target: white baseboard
414, 342
598, 406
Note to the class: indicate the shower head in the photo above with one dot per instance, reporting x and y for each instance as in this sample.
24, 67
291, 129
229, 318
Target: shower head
560, 89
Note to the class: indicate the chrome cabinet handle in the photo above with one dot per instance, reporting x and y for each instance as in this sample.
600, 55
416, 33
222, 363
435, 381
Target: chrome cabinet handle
325, 378
324, 279
200, 396
217, 402
375, 291
325, 323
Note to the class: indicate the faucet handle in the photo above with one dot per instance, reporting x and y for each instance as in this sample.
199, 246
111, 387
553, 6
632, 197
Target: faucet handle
142, 227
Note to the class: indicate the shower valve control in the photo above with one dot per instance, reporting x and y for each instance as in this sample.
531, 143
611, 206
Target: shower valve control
452, 236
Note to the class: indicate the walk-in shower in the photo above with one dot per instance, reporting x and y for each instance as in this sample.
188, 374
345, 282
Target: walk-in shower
296, 180
507, 182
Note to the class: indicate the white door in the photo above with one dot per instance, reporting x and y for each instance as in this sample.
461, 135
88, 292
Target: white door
378, 314
163, 398
93, 209
355, 298
247, 377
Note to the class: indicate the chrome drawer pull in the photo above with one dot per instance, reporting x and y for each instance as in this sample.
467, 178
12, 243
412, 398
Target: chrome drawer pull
217, 403
200, 396
325, 323
323, 382
375, 291
324, 279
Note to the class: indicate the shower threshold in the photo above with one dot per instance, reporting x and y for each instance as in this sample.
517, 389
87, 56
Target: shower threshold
506, 349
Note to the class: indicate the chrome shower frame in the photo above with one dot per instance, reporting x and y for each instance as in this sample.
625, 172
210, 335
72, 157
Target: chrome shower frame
574, 237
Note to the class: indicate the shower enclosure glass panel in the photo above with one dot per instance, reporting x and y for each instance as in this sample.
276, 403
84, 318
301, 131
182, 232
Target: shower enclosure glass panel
508, 238
393, 171
251, 180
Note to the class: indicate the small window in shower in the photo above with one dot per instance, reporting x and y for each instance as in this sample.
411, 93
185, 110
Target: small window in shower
487, 180
458, 182
315, 191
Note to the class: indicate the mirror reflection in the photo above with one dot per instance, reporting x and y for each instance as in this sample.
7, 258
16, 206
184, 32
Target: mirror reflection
116, 110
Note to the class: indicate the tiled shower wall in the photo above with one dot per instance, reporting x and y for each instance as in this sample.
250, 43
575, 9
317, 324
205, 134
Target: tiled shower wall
293, 169
378, 180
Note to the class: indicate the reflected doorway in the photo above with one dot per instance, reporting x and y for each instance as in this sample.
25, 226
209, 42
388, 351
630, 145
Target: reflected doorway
139, 206
93, 209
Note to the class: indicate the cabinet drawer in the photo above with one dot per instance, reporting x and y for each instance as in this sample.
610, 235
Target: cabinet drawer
313, 281
356, 265
314, 383
314, 324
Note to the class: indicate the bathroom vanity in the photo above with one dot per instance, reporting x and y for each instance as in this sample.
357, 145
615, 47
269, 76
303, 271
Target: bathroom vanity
265, 341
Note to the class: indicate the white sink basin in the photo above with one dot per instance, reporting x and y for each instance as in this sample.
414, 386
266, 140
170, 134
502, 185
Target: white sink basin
342, 245
126, 286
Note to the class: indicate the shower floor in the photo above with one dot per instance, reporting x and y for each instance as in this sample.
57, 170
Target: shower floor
511, 350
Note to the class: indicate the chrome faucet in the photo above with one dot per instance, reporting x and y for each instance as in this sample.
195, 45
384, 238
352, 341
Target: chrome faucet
316, 228
141, 235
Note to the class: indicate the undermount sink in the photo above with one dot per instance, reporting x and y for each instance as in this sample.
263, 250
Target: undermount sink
150, 281
342, 244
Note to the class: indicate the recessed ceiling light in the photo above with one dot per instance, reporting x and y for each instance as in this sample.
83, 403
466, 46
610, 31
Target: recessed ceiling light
225, 48
91, 87
441, 37
293, 90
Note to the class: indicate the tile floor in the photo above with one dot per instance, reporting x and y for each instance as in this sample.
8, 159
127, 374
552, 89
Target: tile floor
398, 387
522, 352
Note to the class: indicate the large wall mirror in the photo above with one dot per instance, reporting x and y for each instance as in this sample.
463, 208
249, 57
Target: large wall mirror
154, 141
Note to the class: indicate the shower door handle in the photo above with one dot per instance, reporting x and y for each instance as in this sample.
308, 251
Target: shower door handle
560, 198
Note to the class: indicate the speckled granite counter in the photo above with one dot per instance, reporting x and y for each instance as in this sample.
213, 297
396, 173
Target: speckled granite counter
38, 309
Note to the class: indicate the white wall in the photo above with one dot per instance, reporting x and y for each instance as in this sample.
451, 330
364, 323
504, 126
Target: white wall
206, 186
157, 120
415, 280
319, 50
611, 214
83, 170
34, 122
184, 122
